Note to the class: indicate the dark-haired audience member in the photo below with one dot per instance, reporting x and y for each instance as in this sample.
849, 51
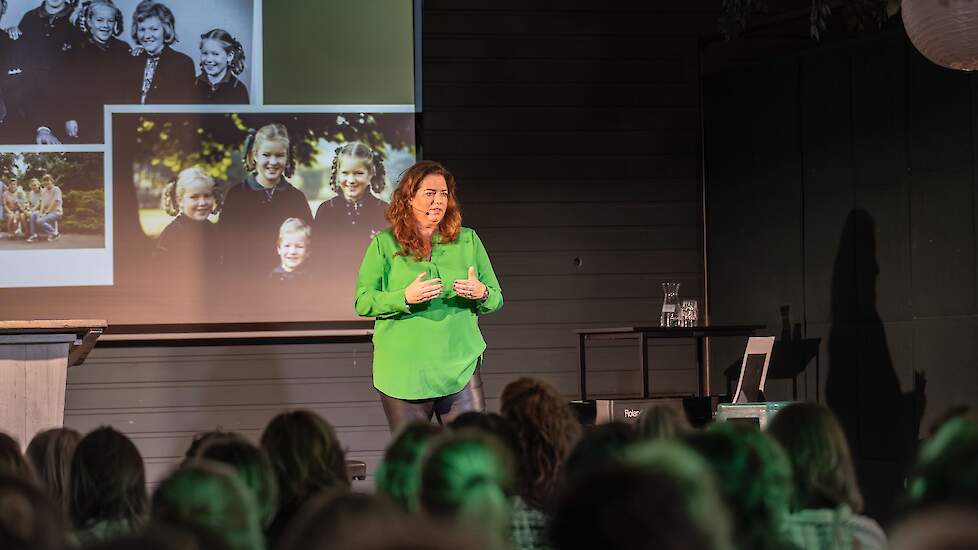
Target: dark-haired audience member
50, 452
166, 537
946, 471
490, 424
663, 421
827, 501
952, 412
664, 498
399, 475
252, 466
467, 481
202, 439
357, 521
334, 516
307, 458
547, 430
212, 497
600, 448
754, 477
12, 461
108, 487
28, 520
940, 528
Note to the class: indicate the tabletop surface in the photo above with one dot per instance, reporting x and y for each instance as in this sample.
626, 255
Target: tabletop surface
674, 332
47, 326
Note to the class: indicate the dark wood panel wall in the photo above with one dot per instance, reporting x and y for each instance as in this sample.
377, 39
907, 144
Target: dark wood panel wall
573, 128
842, 182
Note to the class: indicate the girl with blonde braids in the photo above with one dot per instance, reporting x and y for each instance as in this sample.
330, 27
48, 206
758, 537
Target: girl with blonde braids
96, 69
191, 236
358, 177
255, 209
221, 61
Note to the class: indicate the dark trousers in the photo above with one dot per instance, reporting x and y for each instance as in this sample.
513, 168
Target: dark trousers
444, 409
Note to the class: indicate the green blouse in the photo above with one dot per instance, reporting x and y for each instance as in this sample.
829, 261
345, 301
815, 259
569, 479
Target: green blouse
424, 350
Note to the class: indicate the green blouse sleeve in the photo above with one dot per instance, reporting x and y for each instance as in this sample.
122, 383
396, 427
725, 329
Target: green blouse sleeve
371, 298
488, 277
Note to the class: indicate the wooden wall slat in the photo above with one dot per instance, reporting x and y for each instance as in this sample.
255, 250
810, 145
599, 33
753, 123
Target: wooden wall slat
517, 239
553, 71
559, 118
611, 144
545, 47
451, 94
598, 22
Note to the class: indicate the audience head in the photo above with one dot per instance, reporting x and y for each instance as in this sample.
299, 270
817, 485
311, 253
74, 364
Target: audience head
107, 480
28, 520
940, 528
333, 516
357, 521
601, 447
50, 454
754, 477
490, 424
12, 461
200, 440
399, 474
165, 537
212, 497
664, 497
466, 479
946, 472
821, 464
305, 454
252, 466
547, 430
663, 421
952, 412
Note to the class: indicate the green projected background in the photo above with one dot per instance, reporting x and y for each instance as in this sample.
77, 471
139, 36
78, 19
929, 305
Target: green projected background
338, 52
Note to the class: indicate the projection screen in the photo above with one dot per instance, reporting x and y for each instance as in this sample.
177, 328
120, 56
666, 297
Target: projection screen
129, 189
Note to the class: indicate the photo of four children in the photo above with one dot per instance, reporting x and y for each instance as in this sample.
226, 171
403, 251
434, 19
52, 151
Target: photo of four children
62, 61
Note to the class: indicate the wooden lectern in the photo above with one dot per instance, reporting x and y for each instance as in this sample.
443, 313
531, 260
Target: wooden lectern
34, 358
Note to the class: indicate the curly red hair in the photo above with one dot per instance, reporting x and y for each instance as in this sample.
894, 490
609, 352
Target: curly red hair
401, 216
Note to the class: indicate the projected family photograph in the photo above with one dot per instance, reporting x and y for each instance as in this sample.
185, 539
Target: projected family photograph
52, 201
285, 198
62, 61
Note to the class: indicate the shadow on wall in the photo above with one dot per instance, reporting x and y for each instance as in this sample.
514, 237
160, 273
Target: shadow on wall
862, 387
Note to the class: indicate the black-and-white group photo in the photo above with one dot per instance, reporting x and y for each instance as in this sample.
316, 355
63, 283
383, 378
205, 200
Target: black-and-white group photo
62, 61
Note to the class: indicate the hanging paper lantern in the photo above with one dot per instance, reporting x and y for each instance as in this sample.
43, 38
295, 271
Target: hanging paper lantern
944, 31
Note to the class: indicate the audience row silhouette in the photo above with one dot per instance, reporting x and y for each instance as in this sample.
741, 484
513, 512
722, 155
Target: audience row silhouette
527, 478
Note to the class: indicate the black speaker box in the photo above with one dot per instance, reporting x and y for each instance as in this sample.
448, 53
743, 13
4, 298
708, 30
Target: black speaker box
699, 410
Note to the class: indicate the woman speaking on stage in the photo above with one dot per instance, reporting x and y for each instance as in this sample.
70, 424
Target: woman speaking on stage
425, 280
